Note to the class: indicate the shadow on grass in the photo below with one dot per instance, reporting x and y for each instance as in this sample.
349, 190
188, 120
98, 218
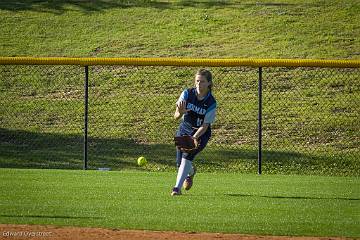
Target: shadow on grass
292, 197
61, 6
26, 149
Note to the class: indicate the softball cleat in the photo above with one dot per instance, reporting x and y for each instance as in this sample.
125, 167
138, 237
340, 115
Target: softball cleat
175, 191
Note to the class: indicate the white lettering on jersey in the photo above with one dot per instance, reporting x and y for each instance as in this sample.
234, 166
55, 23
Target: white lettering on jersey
196, 109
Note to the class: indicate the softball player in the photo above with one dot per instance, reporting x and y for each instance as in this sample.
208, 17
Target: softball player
197, 108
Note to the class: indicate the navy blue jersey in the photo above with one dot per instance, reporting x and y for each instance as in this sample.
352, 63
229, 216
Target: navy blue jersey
201, 111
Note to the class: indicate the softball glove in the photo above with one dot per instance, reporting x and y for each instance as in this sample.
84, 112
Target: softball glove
186, 144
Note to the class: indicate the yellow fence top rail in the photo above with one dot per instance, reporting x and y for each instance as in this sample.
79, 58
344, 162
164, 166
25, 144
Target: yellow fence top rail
251, 62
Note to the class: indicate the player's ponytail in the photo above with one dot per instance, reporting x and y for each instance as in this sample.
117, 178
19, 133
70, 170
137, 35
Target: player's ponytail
207, 74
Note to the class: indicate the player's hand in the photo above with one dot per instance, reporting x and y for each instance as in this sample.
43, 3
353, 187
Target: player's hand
196, 142
182, 107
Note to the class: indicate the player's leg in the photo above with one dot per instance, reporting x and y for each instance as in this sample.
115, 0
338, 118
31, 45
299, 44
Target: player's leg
189, 180
180, 132
182, 165
192, 171
186, 171
178, 158
183, 172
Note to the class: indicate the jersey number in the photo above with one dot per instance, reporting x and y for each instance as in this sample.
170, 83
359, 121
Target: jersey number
199, 122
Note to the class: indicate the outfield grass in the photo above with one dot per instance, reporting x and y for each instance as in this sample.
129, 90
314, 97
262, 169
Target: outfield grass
230, 203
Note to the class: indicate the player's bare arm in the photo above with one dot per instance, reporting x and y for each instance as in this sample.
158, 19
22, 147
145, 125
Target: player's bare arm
201, 130
180, 110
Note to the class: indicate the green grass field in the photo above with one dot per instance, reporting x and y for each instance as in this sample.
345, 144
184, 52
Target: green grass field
229, 203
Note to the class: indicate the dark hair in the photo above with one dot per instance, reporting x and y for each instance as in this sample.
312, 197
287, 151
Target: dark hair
207, 74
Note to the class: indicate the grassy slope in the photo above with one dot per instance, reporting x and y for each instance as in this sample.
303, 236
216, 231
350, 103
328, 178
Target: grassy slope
268, 204
53, 102
270, 29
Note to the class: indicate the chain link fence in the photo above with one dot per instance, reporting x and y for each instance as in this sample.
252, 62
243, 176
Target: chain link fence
41, 116
310, 118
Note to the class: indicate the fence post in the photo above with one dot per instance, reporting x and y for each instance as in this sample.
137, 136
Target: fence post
260, 122
86, 100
